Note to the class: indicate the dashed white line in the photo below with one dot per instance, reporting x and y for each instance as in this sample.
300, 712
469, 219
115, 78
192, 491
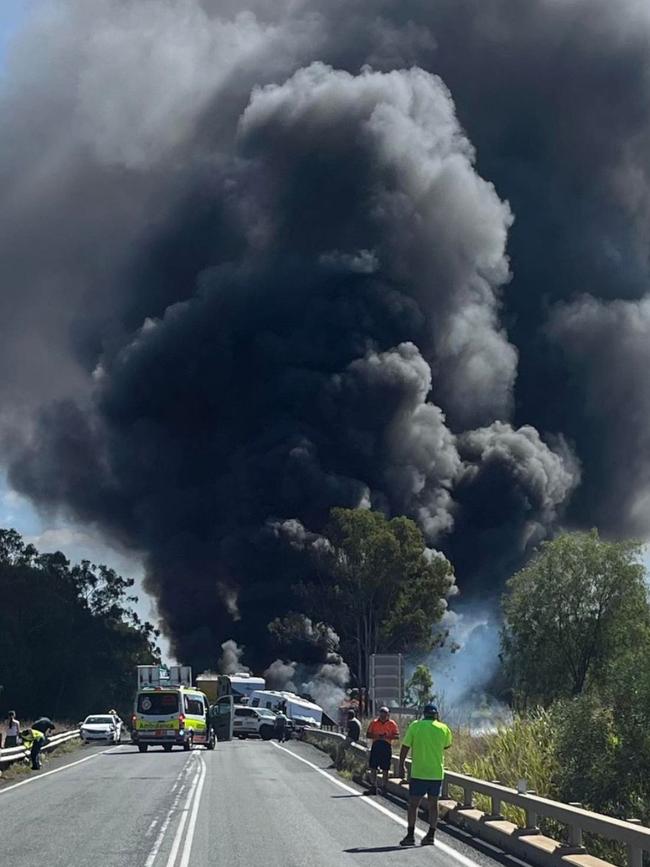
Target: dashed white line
462, 859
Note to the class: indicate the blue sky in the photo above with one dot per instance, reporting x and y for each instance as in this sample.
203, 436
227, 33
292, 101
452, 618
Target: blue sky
12, 14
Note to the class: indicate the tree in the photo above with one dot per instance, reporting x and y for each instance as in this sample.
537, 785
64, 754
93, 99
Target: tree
419, 689
69, 641
378, 585
578, 605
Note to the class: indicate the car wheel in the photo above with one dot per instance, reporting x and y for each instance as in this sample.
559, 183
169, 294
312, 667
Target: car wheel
143, 747
266, 733
167, 748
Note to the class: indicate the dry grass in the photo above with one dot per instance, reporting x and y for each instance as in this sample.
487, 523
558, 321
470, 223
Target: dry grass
18, 770
520, 751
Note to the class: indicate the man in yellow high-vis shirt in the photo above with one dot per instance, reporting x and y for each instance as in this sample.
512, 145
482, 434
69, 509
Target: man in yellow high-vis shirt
33, 740
427, 738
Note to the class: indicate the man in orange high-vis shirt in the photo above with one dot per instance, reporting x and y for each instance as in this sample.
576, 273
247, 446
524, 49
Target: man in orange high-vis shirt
382, 732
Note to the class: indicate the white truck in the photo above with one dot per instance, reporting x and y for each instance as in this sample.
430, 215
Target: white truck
297, 709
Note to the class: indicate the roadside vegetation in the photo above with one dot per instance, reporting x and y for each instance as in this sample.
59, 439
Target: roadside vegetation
14, 772
375, 582
69, 638
576, 650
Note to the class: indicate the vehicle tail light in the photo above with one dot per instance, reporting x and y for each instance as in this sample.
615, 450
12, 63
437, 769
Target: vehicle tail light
181, 720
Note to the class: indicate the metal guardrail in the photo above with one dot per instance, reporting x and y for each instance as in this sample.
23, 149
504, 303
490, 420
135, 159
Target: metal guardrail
633, 835
18, 754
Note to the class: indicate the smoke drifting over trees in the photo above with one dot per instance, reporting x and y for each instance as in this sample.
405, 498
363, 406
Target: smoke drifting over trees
263, 259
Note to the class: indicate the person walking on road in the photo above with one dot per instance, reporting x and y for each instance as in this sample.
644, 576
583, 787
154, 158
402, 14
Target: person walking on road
12, 730
281, 727
427, 738
382, 731
34, 741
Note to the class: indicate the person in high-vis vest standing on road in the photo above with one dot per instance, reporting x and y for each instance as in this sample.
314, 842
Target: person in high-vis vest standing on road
427, 738
33, 740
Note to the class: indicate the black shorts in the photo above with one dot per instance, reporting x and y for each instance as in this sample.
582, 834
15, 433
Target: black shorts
420, 788
380, 756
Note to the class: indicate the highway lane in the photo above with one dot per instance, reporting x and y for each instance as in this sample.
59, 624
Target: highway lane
248, 801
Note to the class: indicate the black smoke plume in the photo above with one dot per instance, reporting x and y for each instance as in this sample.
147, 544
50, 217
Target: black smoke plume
261, 259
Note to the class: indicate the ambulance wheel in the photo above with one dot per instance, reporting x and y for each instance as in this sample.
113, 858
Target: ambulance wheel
143, 747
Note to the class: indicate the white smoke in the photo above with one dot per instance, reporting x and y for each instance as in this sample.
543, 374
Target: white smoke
280, 674
327, 686
464, 666
230, 659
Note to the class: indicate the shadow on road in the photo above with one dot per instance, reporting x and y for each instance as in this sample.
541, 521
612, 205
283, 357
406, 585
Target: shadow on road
359, 850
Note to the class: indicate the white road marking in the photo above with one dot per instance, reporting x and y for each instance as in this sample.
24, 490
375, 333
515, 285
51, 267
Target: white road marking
49, 773
170, 813
185, 813
462, 859
187, 848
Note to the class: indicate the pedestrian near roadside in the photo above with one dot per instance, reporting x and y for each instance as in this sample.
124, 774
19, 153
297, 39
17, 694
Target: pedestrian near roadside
34, 741
44, 725
382, 731
353, 732
352, 735
12, 730
427, 738
281, 727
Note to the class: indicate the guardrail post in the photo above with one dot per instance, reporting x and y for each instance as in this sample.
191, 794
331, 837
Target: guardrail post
575, 831
467, 796
445, 789
634, 854
531, 815
496, 800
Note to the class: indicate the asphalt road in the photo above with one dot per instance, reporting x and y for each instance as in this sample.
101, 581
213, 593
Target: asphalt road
248, 802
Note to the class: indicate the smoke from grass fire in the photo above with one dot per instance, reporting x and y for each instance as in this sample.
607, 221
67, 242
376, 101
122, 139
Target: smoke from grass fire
263, 259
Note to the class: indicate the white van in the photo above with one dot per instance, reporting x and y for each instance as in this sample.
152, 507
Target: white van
301, 711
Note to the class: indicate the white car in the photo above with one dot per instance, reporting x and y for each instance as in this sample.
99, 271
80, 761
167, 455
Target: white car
256, 721
101, 727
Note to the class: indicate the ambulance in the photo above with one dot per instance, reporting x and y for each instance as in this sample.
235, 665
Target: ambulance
168, 711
